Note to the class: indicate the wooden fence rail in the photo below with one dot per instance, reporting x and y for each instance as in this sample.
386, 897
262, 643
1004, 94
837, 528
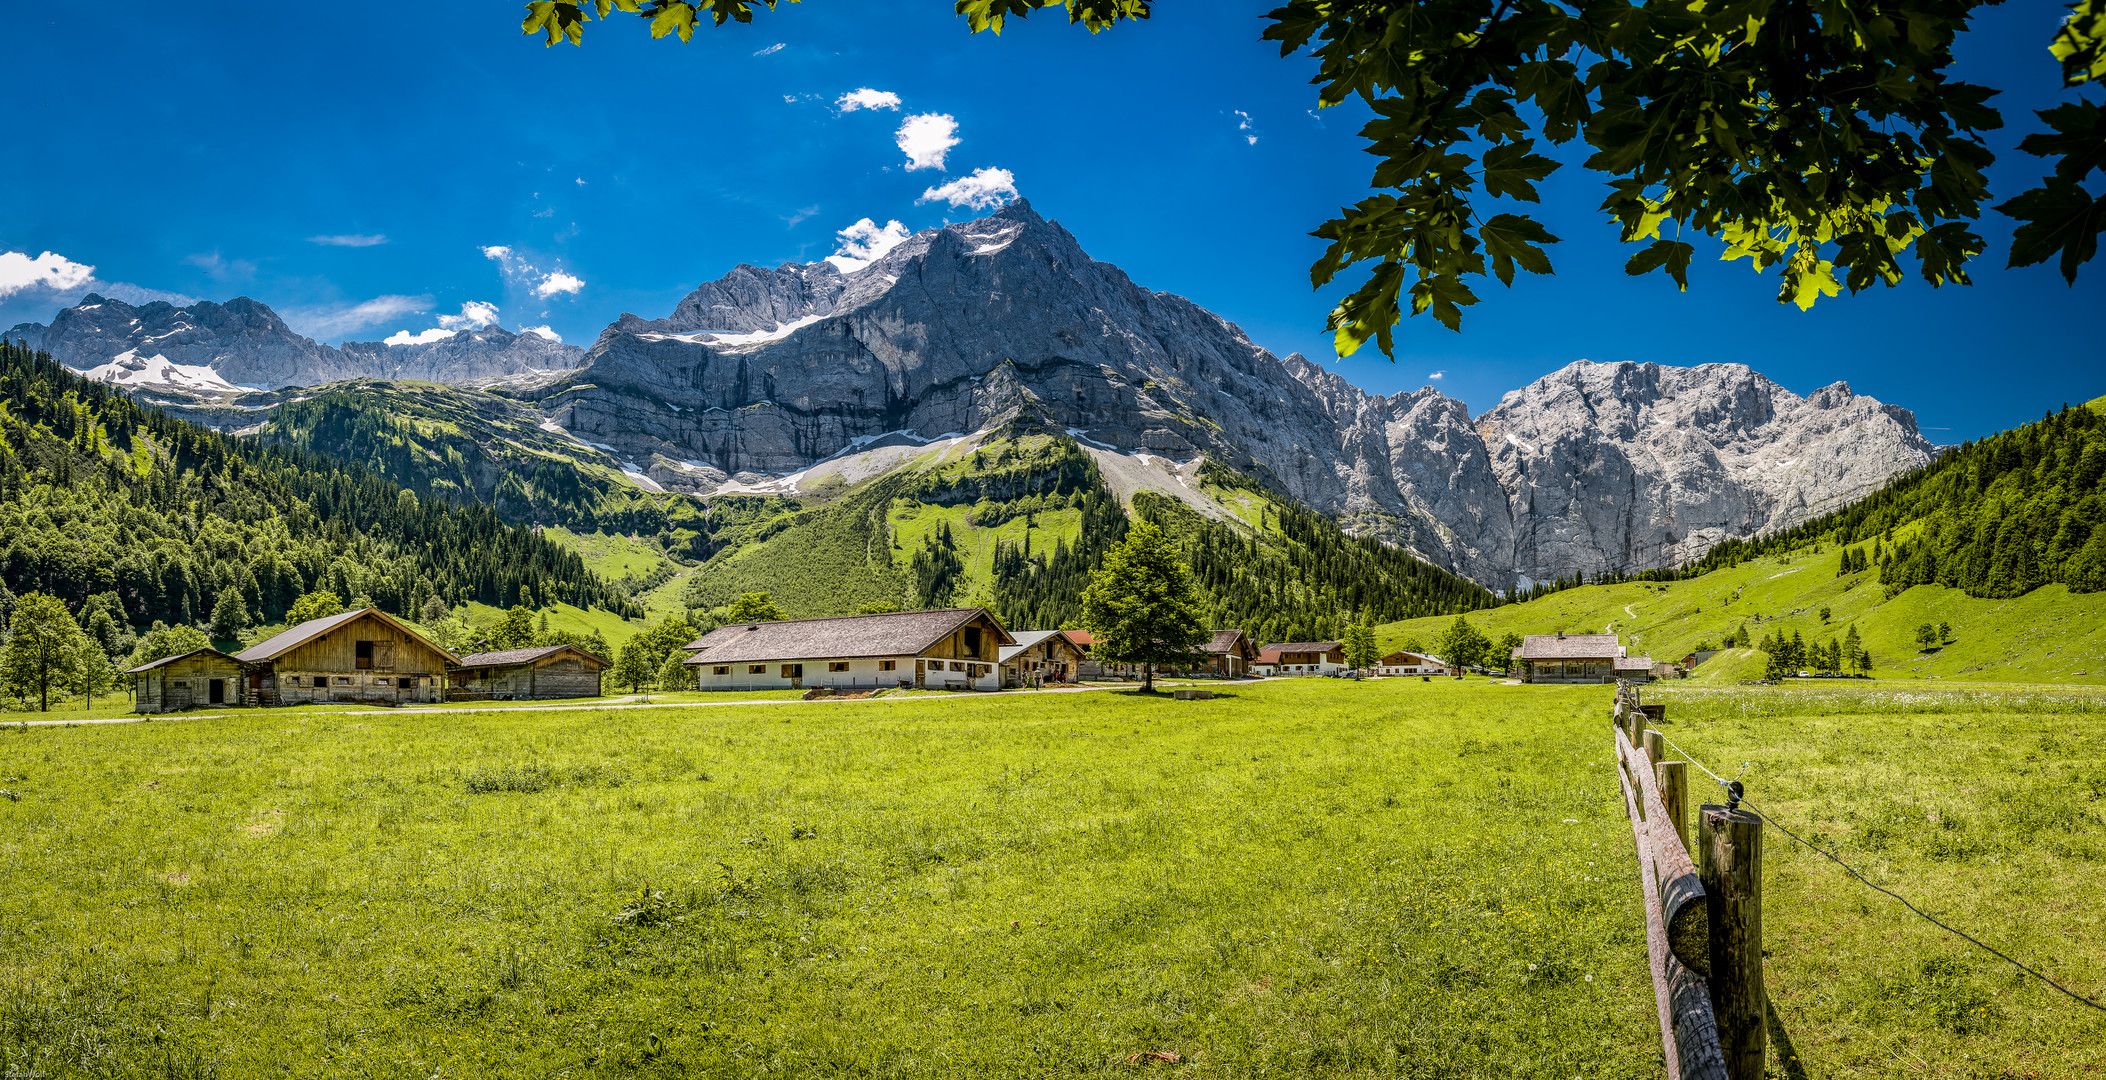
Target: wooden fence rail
1680, 922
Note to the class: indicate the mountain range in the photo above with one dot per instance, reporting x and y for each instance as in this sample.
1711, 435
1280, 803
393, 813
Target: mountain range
755, 379
216, 349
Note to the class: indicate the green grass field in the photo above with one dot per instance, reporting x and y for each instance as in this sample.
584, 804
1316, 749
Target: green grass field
1986, 808
1319, 878
2048, 635
1308, 877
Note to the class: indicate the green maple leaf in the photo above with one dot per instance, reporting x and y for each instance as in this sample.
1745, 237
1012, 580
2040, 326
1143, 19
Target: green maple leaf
1510, 239
678, 18
1672, 255
1445, 295
2078, 138
1509, 169
2059, 217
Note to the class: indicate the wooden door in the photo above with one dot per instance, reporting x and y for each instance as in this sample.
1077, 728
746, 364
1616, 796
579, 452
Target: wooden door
218, 692
384, 656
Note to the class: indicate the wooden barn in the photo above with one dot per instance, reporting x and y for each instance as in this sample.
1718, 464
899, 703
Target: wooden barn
955, 649
554, 671
362, 655
200, 677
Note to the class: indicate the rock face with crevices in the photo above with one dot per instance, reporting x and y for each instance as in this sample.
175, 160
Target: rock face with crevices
1624, 466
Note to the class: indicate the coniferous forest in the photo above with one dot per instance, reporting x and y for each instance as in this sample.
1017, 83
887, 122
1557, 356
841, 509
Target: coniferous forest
115, 505
1999, 517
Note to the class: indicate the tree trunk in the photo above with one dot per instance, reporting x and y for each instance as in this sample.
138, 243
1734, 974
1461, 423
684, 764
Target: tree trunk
1148, 677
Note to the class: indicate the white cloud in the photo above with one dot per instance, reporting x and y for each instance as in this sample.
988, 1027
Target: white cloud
866, 98
404, 337
558, 282
544, 332
137, 295
220, 267
475, 314
581, 181
1248, 129
771, 50
925, 138
865, 242
350, 240
520, 272
1438, 375
984, 189
335, 320
546, 211
799, 216
50, 270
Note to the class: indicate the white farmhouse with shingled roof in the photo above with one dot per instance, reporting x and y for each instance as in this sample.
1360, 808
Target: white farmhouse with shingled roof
953, 649
1578, 658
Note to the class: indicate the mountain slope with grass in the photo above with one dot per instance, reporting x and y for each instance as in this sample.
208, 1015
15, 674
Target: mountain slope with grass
121, 508
1995, 546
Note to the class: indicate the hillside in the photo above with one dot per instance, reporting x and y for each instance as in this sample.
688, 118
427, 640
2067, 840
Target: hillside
1998, 539
109, 504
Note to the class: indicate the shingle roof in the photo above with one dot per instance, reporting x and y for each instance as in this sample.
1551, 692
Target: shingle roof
1081, 638
296, 634
1224, 641
1305, 646
152, 664
503, 657
1024, 640
291, 637
1570, 647
1401, 657
1634, 663
1268, 656
899, 633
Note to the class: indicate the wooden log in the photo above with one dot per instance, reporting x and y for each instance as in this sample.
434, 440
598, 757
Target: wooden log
1730, 843
1673, 778
1688, 1029
1682, 895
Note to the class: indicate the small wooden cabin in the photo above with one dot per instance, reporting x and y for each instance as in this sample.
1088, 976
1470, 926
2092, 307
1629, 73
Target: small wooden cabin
200, 677
1230, 654
553, 671
953, 649
363, 655
1038, 657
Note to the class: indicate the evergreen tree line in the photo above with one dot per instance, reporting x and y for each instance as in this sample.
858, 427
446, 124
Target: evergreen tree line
1794, 653
120, 510
1998, 518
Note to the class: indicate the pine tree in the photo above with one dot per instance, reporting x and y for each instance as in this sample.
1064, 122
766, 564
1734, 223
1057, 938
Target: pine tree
1141, 607
230, 615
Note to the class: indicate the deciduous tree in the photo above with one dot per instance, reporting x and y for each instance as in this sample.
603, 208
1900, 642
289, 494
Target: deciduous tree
44, 648
314, 605
753, 607
633, 668
1462, 645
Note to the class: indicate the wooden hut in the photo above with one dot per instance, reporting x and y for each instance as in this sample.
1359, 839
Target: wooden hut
553, 671
199, 677
362, 655
1038, 657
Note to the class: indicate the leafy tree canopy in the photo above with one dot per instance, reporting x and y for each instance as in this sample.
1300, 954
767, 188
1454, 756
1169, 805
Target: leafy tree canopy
1827, 139
314, 605
164, 641
753, 607
1462, 645
44, 649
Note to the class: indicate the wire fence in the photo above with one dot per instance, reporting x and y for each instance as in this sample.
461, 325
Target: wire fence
1734, 791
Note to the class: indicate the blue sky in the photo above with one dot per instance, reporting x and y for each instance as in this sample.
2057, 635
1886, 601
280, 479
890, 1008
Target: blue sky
204, 156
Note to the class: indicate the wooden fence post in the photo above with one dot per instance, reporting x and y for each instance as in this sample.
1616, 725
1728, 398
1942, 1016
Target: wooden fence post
1655, 746
1674, 792
1729, 844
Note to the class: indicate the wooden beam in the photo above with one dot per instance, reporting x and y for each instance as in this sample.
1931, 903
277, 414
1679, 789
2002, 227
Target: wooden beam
1682, 895
1688, 1029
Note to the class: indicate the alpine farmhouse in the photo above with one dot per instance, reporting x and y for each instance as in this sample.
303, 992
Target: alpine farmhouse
949, 649
361, 655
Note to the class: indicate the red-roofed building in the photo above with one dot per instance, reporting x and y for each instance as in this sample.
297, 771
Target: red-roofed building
1308, 657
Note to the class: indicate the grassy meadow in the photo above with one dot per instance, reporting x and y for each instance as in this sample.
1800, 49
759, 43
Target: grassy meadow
1985, 807
2047, 635
1307, 877
1310, 878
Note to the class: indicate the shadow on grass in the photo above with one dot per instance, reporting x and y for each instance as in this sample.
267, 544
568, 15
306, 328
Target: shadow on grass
1165, 694
1781, 1042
